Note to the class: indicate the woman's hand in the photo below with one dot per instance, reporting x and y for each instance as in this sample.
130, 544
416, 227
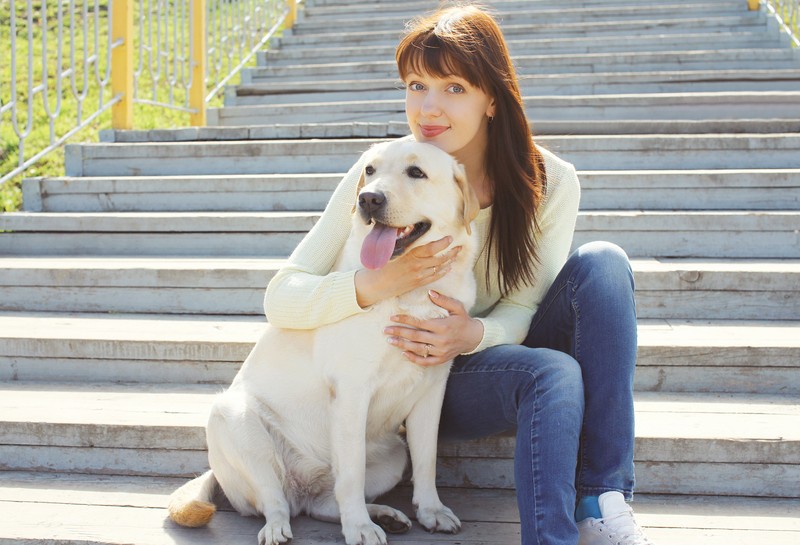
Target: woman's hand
417, 267
436, 341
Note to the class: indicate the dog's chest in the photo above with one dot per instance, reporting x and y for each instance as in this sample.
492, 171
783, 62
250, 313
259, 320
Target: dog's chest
356, 351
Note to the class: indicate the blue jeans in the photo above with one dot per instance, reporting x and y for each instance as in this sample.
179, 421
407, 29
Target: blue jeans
567, 391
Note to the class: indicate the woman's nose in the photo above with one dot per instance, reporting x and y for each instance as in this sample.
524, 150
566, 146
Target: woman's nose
430, 105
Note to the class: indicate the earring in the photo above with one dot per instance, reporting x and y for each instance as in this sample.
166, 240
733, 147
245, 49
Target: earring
491, 119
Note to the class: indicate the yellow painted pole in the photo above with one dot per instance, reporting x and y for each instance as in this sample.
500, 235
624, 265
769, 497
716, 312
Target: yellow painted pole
197, 91
292, 16
753, 5
122, 64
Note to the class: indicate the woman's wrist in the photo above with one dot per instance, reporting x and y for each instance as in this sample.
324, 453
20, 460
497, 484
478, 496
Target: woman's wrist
473, 336
368, 288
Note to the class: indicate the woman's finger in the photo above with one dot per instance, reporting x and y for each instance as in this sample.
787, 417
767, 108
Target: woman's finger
419, 347
451, 305
432, 248
428, 361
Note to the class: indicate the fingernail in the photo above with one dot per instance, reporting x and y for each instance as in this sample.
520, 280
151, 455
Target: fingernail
391, 340
433, 294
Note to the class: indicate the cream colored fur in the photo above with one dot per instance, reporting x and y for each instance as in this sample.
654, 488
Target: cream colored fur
311, 422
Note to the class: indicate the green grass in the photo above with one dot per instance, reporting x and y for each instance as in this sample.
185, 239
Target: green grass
145, 116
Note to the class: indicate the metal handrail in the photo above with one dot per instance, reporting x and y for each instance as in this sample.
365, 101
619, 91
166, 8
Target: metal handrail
786, 12
117, 53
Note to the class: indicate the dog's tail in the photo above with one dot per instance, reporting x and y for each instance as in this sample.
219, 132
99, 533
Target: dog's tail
192, 504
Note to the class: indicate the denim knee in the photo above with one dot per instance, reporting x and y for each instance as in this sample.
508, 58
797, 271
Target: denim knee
605, 261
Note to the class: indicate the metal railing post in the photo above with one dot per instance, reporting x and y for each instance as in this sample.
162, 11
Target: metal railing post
122, 63
292, 15
197, 91
753, 5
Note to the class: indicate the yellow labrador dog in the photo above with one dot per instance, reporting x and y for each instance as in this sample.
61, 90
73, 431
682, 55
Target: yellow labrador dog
311, 423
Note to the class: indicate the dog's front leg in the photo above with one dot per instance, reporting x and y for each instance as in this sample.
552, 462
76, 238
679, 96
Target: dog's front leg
422, 431
348, 424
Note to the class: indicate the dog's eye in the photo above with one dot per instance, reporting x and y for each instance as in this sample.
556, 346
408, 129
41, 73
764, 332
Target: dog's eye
416, 172
370, 170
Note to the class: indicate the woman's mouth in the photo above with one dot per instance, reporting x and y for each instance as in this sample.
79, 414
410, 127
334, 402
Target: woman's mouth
429, 131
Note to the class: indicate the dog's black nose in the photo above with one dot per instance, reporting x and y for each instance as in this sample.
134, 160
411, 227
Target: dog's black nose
371, 203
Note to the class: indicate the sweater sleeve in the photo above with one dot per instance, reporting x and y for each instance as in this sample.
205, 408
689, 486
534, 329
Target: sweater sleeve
304, 293
509, 320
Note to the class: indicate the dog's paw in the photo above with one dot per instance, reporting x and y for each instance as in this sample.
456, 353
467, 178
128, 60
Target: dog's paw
364, 534
275, 532
390, 519
438, 519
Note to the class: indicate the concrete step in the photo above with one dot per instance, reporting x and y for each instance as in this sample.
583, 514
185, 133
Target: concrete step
624, 82
686, 443
595, 15
587, 152
714, 234
281, 56
512, 30
241, 192
322, 7
116, 347
690, 289
70, 509
674, 355
554, 64
386, 17
744, 189
389, 129
650, 108
489, 463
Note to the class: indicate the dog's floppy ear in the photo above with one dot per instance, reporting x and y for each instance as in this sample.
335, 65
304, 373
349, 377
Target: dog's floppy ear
471, 204
361, 182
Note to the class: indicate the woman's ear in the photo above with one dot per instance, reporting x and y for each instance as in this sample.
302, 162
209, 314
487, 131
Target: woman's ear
471, 204
491, 109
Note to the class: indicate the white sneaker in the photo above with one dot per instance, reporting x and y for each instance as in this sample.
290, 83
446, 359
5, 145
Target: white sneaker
617, 527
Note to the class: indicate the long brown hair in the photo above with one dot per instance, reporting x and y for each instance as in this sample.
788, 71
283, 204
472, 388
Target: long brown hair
467, 42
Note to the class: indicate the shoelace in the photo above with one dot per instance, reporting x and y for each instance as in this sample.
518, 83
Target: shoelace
623, 528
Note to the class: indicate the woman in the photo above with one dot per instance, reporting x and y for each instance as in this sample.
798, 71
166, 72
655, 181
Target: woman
550, 347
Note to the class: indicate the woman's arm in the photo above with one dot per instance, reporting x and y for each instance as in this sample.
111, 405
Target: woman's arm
304, 293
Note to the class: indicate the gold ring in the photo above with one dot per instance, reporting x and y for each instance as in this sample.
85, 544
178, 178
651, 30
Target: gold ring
427, 350
434, 270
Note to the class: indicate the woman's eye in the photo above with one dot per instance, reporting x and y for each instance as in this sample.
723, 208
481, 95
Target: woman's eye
370, 170
457, 89
416, 86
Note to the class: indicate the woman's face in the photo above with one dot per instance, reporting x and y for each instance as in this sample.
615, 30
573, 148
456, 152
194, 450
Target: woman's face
449, 113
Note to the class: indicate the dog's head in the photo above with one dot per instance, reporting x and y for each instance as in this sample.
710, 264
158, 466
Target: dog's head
410, 194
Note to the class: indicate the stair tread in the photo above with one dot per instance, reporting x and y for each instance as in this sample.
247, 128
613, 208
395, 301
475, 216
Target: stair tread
209, 328
391, 82
109, 509
29, 407
14, 220
762, 275
668, 175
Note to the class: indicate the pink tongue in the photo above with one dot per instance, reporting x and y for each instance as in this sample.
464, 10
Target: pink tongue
378, 246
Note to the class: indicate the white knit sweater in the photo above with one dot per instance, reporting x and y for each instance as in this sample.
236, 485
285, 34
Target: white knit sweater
304, 294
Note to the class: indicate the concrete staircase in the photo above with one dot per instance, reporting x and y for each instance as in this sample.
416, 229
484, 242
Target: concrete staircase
131, 288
